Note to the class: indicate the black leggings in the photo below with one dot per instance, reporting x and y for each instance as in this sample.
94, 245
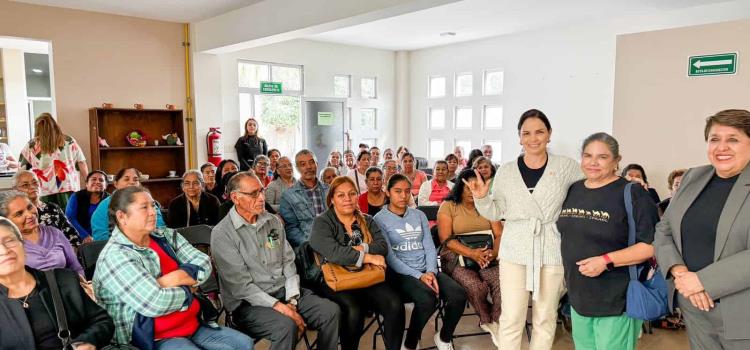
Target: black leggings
380, 298
426, 302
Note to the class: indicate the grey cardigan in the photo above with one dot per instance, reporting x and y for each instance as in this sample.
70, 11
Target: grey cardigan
329, 239
728, 277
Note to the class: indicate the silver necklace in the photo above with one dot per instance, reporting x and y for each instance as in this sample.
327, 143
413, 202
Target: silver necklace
24, 302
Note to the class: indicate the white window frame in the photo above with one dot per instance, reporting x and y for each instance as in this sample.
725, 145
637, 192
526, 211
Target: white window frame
349, 88
429, 86
429, 119
375, 114
375, 88
484, 82
495, 151
455, 84
429, 148
484, 117
455, 117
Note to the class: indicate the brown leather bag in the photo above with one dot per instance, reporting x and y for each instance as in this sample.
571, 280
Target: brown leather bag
340, 278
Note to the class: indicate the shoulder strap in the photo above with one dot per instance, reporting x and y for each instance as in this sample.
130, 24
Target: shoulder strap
356, 179
62, 319
628, 195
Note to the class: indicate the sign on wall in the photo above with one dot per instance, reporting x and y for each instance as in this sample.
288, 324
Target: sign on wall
269, 87
725, 63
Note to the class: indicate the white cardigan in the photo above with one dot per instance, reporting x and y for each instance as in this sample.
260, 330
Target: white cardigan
530, 235
426, 190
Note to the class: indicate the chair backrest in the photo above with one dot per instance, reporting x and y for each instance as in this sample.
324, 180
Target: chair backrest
196, 235
430, 211
428, 171
200, 237
421, 163
88, 253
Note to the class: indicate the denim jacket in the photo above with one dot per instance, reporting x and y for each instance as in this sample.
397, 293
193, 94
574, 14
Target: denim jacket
298, 213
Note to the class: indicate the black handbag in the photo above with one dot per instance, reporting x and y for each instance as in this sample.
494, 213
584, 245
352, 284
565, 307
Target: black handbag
479, 239
308, 270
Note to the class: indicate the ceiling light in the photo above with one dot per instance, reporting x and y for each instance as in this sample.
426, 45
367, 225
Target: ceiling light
37, 71
446, 34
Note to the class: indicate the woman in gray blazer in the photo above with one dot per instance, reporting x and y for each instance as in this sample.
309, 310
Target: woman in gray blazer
703, 241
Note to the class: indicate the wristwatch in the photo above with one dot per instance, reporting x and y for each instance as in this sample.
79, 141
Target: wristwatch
610, 264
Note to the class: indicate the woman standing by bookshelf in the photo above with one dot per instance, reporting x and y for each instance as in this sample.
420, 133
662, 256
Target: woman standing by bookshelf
250, 145
56, 159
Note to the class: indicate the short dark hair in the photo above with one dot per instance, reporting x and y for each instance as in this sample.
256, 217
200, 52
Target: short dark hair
675, 173
451, 156
534, 113
273, 150
363, 145
122, 172
473, 155
736, 118
373, 169
101, 172
204, 166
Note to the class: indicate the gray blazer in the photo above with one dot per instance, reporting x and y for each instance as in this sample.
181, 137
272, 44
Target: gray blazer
728, 278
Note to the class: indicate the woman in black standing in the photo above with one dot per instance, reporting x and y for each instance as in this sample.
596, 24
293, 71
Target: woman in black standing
250, 145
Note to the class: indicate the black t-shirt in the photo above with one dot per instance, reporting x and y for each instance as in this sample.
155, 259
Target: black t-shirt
373, 209
594, 222
701, 220
531, 176
43, 327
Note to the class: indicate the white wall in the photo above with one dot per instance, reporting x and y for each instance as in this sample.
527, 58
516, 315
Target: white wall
567, 71
17, 111
216, 85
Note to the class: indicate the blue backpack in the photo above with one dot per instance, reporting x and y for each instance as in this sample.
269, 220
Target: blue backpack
646, 300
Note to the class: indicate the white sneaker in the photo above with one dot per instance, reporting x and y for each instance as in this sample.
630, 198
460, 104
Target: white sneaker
440, 344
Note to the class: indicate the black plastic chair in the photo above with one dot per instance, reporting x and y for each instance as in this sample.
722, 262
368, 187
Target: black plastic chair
430, 211
88, 253
200, 237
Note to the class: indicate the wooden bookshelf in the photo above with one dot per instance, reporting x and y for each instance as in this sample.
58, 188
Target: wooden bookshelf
112, 124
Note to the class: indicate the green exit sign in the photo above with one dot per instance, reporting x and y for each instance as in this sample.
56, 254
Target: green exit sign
269, 87
725, 63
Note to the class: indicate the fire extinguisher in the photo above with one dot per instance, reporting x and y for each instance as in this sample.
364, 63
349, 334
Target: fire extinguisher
214, 146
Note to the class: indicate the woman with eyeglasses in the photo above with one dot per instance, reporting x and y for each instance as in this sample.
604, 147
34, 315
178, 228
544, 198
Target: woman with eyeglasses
283, 180
46, 246
340, 236
82, 204
260, 168
27, 314
49, 214
194, 206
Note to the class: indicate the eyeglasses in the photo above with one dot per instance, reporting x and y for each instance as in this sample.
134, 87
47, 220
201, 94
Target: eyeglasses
33, 184
191, 184
10, 244
253, 195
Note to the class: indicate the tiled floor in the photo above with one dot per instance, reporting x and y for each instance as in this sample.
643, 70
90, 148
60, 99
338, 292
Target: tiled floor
659, 340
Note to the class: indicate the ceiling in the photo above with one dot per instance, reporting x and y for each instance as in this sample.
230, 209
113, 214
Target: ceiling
476, 19
181, 11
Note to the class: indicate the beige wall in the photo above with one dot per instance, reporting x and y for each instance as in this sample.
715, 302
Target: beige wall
102, 58
660, 112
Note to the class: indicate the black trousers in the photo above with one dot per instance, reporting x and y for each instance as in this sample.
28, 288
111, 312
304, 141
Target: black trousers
426, 302
354, 304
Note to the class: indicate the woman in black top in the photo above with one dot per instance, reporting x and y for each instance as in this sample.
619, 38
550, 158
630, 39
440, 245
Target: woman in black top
635, 172
27, 312
337, 235
593, 225
225, 166
194, 206
250, 145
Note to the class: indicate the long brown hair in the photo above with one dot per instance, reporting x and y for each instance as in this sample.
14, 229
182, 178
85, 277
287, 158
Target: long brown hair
48, 133
339, 181
257, 127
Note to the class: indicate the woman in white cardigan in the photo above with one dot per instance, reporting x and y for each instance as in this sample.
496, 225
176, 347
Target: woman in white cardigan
528, 194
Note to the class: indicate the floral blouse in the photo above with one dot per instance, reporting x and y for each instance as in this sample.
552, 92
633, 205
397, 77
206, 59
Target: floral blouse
57, 172
51, 215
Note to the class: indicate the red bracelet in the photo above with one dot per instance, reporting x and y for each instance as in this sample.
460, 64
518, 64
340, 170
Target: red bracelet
607, 259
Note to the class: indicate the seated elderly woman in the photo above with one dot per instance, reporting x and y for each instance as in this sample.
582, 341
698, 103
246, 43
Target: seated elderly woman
101, 226
434, 191
46, 246
82, 204
328, 174
283, 180
144, 279
26, 305
48, 213
194, 206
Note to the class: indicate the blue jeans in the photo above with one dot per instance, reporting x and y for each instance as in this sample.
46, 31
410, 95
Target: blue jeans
207, 338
